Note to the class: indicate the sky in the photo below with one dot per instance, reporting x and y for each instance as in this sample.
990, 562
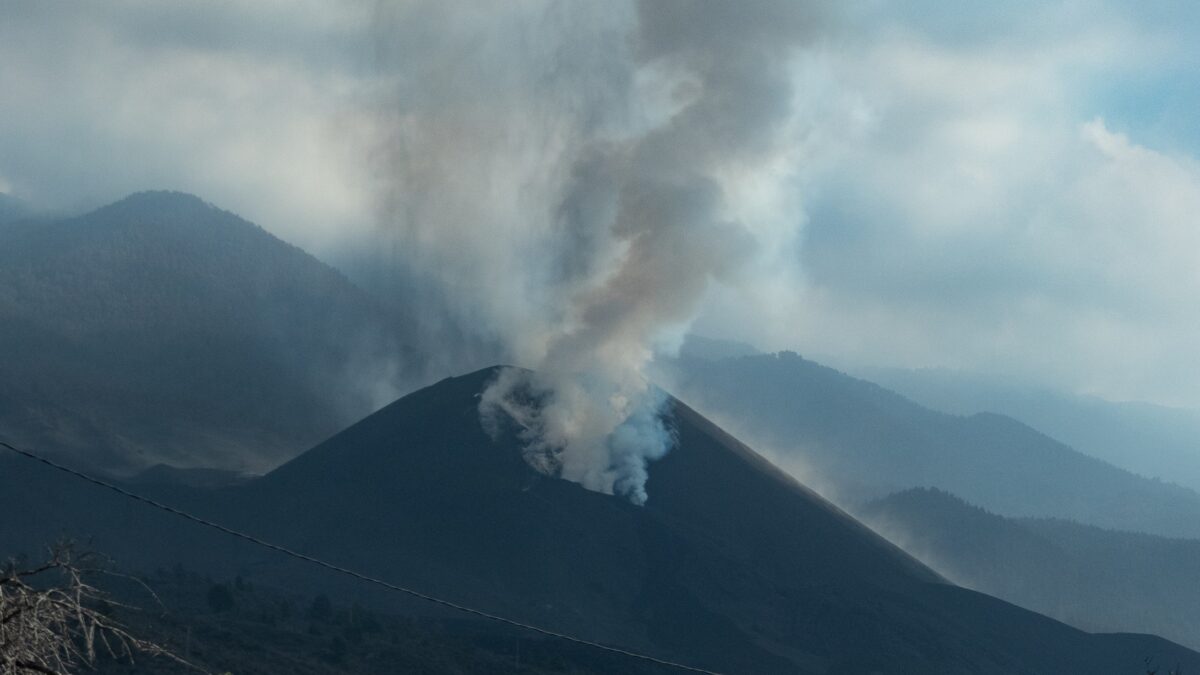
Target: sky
1004, 188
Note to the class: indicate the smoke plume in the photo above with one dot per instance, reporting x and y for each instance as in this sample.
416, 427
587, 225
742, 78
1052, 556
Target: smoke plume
554, 177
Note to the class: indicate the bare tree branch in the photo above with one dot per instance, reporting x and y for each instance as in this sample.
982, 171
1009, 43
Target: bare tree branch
56, 628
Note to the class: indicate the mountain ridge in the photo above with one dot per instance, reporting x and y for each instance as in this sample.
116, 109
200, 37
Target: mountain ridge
1088, 576
730, 564
1151, 440
163, 329
862, 441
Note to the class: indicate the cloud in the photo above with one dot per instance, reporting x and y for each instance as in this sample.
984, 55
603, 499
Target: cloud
967, 205
990, 187
238, 102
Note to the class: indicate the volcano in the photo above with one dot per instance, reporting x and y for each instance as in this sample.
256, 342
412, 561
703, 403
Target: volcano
162, 329
731, 565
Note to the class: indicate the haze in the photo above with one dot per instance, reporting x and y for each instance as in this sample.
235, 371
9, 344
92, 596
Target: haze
1007, 190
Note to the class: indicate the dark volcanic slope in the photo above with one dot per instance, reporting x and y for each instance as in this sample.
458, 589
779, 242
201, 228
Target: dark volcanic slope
163, 329
721, 531
731, 565
866, 441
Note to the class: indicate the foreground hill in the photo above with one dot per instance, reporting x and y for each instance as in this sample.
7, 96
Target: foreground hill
162, 329
1087, 576
235, 626
861, 442
731, 565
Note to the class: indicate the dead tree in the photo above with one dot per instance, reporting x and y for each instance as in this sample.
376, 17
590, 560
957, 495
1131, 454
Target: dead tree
53, 621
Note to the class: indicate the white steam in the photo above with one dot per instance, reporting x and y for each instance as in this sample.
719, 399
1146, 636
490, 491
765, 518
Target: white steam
590, 430
556, 176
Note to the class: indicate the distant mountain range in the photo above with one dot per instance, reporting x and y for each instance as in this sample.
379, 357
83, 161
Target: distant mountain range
1087, 576
731, 565
858, 441
161, 329
12, 209
1154, 441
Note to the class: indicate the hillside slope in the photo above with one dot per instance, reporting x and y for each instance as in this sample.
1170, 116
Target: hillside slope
161, 329
860, 441
731, 564
1087, 576
1154, 441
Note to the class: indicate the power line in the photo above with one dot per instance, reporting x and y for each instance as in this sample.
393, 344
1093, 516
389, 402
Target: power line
348, 572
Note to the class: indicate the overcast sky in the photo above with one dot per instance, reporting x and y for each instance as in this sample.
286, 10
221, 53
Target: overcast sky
1009, 188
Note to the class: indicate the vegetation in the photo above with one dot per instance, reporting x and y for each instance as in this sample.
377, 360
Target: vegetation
57, 626
267, 630
73, 612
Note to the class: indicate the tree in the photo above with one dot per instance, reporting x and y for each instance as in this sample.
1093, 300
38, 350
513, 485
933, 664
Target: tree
220, 598
1152, 669
53, 621
321, 609
338, 650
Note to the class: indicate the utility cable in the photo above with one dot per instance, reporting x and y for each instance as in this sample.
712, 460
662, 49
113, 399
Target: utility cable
348, 572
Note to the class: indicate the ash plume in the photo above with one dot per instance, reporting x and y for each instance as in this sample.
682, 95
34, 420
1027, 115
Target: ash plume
553, 178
